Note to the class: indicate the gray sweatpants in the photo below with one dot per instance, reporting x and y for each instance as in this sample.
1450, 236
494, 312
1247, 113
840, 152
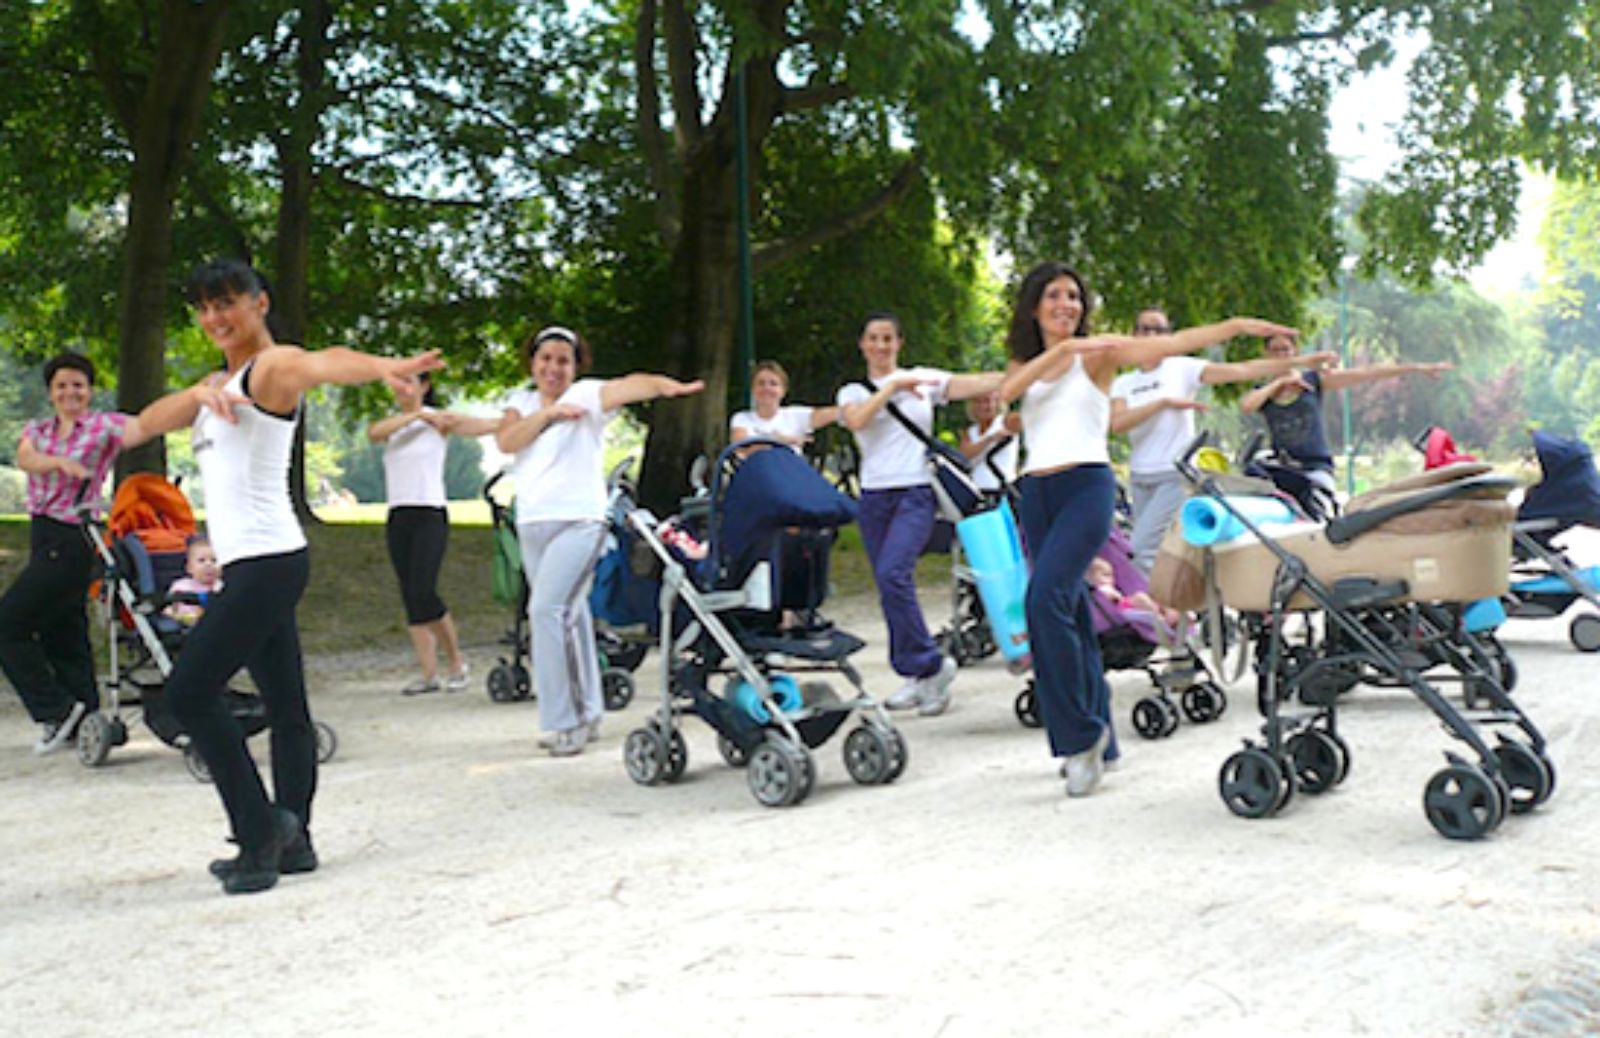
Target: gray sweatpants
1157, 498
559, 558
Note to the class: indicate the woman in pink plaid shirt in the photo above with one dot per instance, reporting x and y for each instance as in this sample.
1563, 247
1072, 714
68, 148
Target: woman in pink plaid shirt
44, 626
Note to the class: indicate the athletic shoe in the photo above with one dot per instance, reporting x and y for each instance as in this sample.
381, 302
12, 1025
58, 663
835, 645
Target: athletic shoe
421, 686
906, 696
457, 682
936, 689
298, 857
54, 736
1084, 770
569, 742
1110, 764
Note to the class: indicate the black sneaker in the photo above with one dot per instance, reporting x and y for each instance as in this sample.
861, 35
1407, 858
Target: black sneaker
254, 871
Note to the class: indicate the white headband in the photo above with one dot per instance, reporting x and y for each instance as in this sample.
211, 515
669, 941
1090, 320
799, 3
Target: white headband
556, 331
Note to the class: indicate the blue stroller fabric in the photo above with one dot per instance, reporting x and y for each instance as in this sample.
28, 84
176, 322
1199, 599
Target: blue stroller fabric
768, 492
1570, 489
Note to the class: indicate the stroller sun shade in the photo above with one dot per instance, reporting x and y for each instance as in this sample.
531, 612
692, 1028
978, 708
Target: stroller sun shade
771, 490
1570, 489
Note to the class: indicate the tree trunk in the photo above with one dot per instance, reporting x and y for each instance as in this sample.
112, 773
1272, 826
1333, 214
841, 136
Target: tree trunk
292, 295
166, 123
702, 326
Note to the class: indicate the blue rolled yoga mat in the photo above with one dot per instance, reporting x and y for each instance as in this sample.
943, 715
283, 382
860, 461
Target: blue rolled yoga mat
785, 692
1207, 521
994, 551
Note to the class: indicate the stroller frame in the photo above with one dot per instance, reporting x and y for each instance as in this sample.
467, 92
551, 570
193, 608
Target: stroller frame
776, 757
1364, 642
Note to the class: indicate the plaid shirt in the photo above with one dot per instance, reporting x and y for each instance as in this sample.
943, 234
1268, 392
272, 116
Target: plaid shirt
93, 443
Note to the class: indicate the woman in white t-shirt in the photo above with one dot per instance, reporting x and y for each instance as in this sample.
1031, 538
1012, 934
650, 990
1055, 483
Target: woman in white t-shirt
555, 430
769, 417
992, 437
1063, 376
418, 525
897, 506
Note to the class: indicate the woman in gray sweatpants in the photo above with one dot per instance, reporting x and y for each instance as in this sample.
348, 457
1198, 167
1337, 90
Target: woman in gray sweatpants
556, 430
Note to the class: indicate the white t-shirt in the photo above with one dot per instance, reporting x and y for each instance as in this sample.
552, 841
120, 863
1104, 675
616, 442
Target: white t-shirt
791, 421
1005, 458
1158, 440
413, 465
244, 466
558, 475
891, 457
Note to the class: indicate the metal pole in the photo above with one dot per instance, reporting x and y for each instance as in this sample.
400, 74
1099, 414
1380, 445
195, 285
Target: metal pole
747, 309
1344, 355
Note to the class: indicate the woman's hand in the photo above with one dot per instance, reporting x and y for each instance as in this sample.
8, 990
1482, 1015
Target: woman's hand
399, 371
1264, 329
1435, 369
562, 413
671, 387
210, 394
69, 467
1181, 403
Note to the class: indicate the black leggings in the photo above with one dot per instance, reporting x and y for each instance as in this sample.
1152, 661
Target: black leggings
417, 536
250, 624
44, 628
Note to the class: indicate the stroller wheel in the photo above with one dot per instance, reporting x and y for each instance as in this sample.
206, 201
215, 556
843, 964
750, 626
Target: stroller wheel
521, 682
644, 754
327, 742
502, 687
953, 645
780, 773
119, 732
731, 753
899, 754
1027, 707
1585, 632
97, 734
1463, 803
677, 757
867, 756
1252, 783
1203, 702
1528, 776
1317, 760
1154, 717
616, 688
196, 764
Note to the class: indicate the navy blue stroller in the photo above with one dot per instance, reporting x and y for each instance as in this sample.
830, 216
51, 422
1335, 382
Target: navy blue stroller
740, 611
1545, 583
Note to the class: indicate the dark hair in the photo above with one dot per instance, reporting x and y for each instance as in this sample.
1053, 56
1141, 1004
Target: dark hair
1024, 341
580, 345
883, 315
222, 279
430, 394
196, 539
73, 361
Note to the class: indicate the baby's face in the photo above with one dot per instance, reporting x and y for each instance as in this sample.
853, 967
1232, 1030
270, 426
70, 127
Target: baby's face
203, 564
1101, 573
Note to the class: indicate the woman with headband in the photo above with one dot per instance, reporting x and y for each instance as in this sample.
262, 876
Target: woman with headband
555, 431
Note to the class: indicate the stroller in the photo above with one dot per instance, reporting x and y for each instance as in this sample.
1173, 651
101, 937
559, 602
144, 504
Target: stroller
1290, 477
1390, 579
746, 609
510, 679
1545, 583
967, 637
142, 547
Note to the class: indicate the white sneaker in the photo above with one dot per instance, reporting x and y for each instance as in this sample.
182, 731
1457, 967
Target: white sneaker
569, 742
457, 682
54, 736
1084, 770
421, 687
594, 730
936, 689
906, 696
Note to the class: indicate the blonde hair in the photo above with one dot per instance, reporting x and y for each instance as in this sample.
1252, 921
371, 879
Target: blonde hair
772, 366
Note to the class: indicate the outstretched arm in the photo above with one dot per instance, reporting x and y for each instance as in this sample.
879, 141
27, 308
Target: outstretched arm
282, 373
384, 428
858, 416
1344, 378
1263, 368
823, 416
1124, 418
964, 387
453, 423
1257, 398
1052, 362
640, 386
1151, 349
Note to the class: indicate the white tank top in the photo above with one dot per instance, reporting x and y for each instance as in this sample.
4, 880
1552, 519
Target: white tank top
244, 468
1066, 422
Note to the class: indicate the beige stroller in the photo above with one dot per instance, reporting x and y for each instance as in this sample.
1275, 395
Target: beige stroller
1383, 588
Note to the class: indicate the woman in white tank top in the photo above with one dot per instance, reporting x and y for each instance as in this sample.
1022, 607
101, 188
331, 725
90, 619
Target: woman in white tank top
243, 421
1063, 376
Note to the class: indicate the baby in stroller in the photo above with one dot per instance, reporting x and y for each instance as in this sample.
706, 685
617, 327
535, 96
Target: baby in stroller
1103, 578
144, 545
202, 578
770, 522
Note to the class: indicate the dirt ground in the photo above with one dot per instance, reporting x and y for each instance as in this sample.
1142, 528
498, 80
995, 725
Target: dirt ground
470, 885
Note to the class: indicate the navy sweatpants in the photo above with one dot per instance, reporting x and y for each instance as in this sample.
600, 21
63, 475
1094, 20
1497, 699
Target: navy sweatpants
895, 525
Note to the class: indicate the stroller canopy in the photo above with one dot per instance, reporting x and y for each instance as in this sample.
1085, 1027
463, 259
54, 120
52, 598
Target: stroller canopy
771, 490
1570, 489
155, 509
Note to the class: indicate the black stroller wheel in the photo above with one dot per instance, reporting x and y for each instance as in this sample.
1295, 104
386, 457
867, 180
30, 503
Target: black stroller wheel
677, 757
1528, 775
1203, 703
867, 756
501, 684
616, 688
327, 742
1585, 632
1154, 717
521, 681
1027, 708
1252, 783
644, 754
1462, 803
780, 773
731, 753
899, 754
1317, 760
96, 736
